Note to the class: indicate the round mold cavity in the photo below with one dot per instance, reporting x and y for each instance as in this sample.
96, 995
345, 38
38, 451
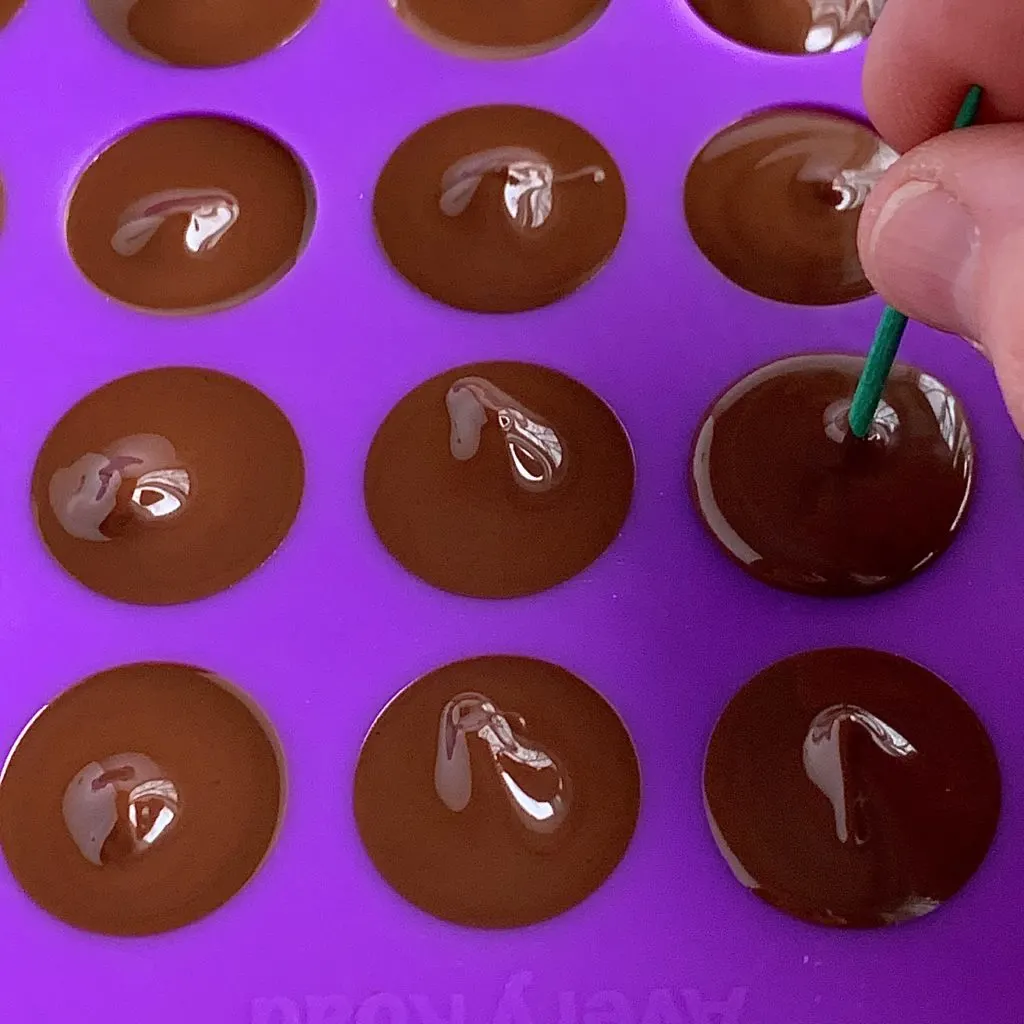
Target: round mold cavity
8, 9
499, 480
190, 214
497, 792
499, 209
498, 31
168, 485
851, 788
202, 33
773, 202
800, 503
792, 27
141, 800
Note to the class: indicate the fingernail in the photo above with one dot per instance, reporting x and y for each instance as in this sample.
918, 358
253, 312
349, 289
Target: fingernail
924, 250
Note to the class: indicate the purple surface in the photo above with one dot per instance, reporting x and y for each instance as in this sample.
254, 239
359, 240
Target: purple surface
330, 629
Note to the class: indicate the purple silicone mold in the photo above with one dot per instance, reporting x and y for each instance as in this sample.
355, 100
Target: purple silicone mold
331, 628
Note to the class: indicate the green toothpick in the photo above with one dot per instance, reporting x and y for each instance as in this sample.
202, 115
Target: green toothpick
890, 329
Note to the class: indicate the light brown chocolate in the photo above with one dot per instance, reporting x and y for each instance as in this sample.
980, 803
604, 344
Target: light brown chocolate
792, 26
202, 33
800, 503
851, 788
190, 214
8, 9
773, 202
463, 492
498, 30
140, 800
499, 209
497, 792
168, 485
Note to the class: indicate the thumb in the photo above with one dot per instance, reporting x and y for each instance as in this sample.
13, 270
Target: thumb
942, 239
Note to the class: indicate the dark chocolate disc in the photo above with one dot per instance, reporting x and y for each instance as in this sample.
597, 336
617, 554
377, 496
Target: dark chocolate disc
140, 800
499, 479
497, 792
202, 33
801, 504
190, 214
792, 26
851, 788
499, 30
168, 485
774, 200
499, 209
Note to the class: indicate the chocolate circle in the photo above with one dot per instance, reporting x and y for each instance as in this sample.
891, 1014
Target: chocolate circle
773, 202
792, 26
168, 485
799, 503
190, 214
8, 9
499, 851
469, 526
109, 847
499, 159
202, 33
851, 788
496, 30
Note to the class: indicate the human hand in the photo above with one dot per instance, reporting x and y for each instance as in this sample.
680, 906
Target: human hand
942, 235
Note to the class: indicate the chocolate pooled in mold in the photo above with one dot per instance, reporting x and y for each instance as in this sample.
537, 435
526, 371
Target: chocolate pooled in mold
141, 799
498, 479
499, 209
851, 788
201, 33
497, 792
190, 215
168, 485
774, 200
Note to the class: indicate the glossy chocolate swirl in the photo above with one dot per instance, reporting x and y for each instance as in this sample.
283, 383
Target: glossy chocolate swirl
774, 200
497, 792
801, 504
851, 788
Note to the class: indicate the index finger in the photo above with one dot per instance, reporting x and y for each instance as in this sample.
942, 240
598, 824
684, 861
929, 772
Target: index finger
924, 55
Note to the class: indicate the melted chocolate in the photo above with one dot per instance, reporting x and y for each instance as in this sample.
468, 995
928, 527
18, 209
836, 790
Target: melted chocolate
8, 9
140, 800
499, 30
202, 33
499, 209
792, 26
851, 788
801, 504
168, 485
499, 479
774, 200
497, 792
189, 214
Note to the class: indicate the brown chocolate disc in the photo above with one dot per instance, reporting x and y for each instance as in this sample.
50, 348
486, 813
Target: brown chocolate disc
8, 9
202, 33
851, 788
497, 792
774, 200
499, 30
792, 26
190, 214
168, 485
140, 800
499, 479
499, 209
801, 504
